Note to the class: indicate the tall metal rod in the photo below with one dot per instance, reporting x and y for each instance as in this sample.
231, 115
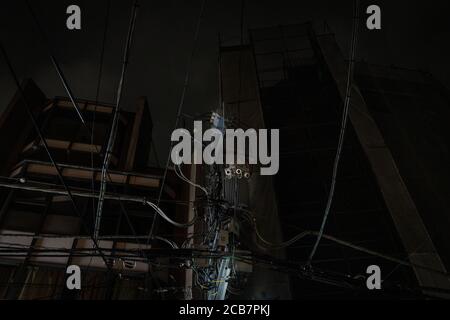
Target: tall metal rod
114, 125
97, 94
56, 65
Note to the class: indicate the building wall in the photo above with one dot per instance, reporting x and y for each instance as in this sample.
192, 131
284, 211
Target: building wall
31, 216
412, 110
240, 94
301, 95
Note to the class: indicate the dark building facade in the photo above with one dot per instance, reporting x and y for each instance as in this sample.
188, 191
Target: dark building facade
390, 198
37, 214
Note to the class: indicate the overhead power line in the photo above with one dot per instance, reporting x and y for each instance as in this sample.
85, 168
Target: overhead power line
89, 194
115, 121
345, 112
97, 93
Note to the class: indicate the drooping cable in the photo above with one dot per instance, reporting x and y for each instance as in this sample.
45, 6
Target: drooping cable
181, 175
88, 194
179, 111
135, 236
345, 112
166, 217
115, 121
348, 244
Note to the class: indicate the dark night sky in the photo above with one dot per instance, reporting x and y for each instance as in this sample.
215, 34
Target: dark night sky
414, 34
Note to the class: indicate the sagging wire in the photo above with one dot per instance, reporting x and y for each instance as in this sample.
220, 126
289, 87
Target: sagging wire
345, 112
247, 214
205, 277
169, 242
165, 217
180, 174
89, 194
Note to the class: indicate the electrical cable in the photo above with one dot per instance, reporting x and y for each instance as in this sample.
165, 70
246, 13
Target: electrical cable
115, 121
180, 174
343, 127
165, 217
119, 197
97, 93
306, 233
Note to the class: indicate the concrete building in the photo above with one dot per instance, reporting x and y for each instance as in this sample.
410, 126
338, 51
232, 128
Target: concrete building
37, 214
